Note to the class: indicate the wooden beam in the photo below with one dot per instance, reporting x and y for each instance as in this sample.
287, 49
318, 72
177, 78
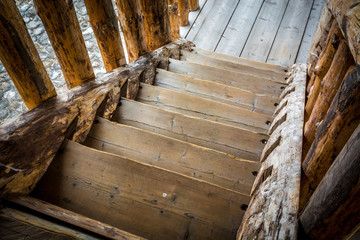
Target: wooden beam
21, 59
133, 28
193, 5
183, 12
174, 19
333, 210
63, 29
104, 23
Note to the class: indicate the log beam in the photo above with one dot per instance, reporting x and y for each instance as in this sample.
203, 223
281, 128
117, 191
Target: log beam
21, 59
193, 5
104, 23
183, 12
174, 19
63, 29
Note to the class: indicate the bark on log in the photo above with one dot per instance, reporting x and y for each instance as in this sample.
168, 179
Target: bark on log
132, 25
157, 23
63, 30
334, 210
340, 121
174, 20
21, 59
183, 12
104, 23
29, 141
193, 5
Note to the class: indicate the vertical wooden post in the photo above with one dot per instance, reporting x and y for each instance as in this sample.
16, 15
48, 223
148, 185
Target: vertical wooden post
132, 25
156, 23
174, 19
21, 59
62, 27
193, 5
183, 12
105, 26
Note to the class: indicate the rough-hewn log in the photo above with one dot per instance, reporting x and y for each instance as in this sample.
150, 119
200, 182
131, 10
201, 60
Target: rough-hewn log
273, 209
183, 12
132, 26
62, 27
334, 209
340, 121
21, 59
29, 141
104, 23
193, 5
157, 23
330, 84
174, 19
319, 39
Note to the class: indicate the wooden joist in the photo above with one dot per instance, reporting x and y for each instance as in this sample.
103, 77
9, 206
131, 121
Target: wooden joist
21, 59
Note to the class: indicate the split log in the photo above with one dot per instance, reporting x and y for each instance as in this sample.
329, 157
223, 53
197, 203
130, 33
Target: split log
334, 210
340, 121
156, 23
21, 59
330, 84
174, 19
29, 141
183, 8
63, 29
104, 23
193, 5
132, 25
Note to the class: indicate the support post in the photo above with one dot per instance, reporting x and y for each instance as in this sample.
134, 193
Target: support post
183, 12
174, 19
193, 5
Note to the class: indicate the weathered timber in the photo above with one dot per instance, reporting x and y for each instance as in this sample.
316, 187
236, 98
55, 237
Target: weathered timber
104, 23
29, 141
74, 218
183, 9
193, 5
275, 217
21, 59
333, 210
174, 19
63, 29
340, 121
156, 23
330, 84
318, 43
133, 28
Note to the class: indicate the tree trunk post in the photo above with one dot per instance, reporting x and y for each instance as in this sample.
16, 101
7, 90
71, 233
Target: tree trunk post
62, 27
174, 19
21, 59
183, 12
104, 23
193, 5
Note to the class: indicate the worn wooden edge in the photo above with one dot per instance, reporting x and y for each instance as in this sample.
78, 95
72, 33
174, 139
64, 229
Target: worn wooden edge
29, 142
273, 209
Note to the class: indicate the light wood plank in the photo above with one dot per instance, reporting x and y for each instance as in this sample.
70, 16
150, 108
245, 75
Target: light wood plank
139, 198
193, 15
263, 104
203, 108
171, 154
234, 38
287, 41
263, 33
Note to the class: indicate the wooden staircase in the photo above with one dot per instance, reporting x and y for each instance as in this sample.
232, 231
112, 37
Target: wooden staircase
179, 161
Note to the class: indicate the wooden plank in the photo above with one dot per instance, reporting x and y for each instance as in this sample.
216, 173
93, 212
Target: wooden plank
236, 33
146, 200
251, 83
265, 28
74, 218
192, 18
263, 104
287, 41
171, 154
203, 108
311, 26
195, 28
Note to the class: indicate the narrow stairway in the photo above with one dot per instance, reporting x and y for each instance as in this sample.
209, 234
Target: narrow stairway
180, 161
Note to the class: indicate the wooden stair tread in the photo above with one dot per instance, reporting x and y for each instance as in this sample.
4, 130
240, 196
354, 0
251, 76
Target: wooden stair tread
260, 103
142, 199
235, 141
203, 108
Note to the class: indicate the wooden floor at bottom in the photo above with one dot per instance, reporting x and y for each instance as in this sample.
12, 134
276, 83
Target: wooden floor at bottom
274, 31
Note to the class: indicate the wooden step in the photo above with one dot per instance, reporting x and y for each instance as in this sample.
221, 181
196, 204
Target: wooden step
260, 103
185, 158
139, 198
234, 67
235, 141
204, 108
246, 82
